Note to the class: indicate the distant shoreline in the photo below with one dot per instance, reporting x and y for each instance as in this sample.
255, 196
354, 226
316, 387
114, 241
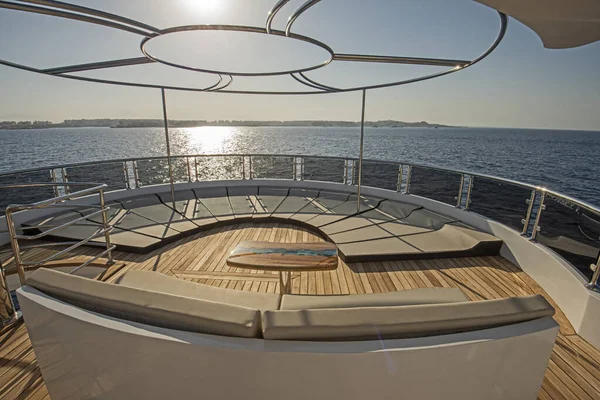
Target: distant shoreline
151, 123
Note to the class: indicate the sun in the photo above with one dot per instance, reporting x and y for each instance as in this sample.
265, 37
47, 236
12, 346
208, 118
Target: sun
204, 6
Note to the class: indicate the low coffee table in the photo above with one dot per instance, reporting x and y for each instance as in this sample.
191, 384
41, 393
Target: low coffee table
284, 257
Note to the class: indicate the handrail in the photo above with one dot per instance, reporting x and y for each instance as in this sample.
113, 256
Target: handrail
530, 222
380, 161
104, 228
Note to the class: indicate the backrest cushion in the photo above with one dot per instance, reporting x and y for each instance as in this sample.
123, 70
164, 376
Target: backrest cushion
373, 323
151, 308
396, 298
157, 282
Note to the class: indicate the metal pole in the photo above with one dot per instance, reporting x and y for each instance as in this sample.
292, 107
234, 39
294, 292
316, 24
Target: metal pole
109, 255
360, 155
164, 104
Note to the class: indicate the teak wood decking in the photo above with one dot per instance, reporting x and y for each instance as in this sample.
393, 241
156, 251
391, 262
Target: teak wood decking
573, 371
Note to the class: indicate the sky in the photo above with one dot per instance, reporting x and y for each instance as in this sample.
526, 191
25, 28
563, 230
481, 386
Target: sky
520, 85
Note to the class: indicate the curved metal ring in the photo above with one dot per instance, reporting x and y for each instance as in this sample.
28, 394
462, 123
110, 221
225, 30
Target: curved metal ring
297, 13
236, 28
278, 6
501, 33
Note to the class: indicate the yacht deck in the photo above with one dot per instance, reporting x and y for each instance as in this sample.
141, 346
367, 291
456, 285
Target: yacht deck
573, 371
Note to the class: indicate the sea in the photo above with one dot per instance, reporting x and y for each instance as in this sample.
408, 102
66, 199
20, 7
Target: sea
565, 161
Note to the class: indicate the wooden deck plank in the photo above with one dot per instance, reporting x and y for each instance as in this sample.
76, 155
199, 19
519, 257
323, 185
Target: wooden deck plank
573, 371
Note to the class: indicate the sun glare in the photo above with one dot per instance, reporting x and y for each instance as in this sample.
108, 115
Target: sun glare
204, 6
209, 139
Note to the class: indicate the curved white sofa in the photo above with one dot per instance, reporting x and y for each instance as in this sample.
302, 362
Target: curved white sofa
155, 337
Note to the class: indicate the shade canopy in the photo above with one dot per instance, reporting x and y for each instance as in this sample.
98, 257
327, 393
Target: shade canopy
560, 24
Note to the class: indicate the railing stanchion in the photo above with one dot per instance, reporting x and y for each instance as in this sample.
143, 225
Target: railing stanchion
8, 313
541, 207
126, 174
294, 169
189, 169
408, 176
250, 166
399, 179
594, 283
136, 175
65, 179
469, 191
460, 190
14, 243
525, 221
345, 178
109, 254
53, 177
243, 167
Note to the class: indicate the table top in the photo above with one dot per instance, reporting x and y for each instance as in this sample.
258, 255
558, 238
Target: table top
270, 256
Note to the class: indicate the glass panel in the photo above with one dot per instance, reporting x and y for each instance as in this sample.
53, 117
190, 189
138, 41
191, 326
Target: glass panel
155, 172
435, 184
217, 168
25, 195
571, 231
380, 175
273, 167
500, 201
109, 173
323, 169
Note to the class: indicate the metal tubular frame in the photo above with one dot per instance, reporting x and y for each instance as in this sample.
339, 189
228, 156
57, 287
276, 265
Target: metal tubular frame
97, 17
54, 202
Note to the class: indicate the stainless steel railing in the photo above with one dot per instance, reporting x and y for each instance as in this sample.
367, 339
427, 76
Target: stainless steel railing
8, 313
491, 196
